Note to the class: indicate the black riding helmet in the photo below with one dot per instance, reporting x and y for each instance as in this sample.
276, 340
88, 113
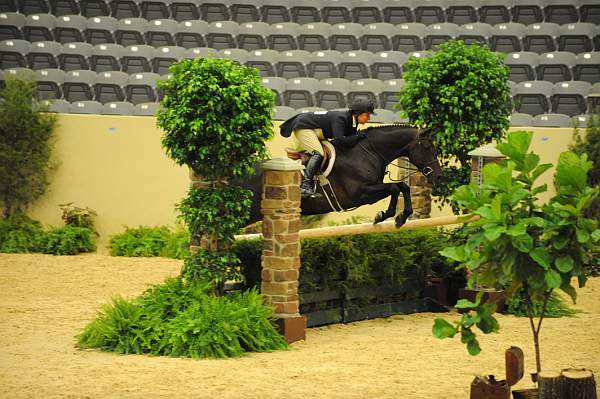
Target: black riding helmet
362, 105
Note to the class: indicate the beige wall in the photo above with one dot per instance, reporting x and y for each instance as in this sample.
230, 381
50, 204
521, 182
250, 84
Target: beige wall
116, 166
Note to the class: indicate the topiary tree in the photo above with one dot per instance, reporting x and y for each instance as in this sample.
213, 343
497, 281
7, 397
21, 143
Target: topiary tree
216, 116
590, 145
25, 146
461, 91
519, 243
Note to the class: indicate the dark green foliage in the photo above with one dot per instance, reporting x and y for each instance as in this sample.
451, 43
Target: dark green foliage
590, 145
555, 307
216, 116
67, 240
150, 241
214, 266
461, 91
181, 319
25, 146
20, 234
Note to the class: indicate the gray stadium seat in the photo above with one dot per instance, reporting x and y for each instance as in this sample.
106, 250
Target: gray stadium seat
185, 10
117, 108
477, 32
121, 9
577, 38
85, 107
365, 89
75, 56
155, 9
100, 30
551, 120
580, 121
522, 66
299, 92
587, 67
29, 7
409, 37
282, 36
464, 12
8, 6
556, 66
436, 34
191, 34
253, 35
569, 98
292, 64
94, 8
146, 109
243, 11
277, 85
314, 36
49, 83
78, 85
324, 64
384, 116
12, 53
430, 11
390, 93
377, 37
527, 11
305, 12
165, 56
367, 11
310, 109
331, 93
507, 37
355, 65
388, 65
589, 11
283, 113
70, 28
64, 7
594, 99
11, 25
43, 55
59, 106
494, 12
533, 97
109, 86
520, 119
161, 32
236, 54
561, 11
274, 11
336, 11
222, 34
264, 60
19, 72
130, 31
137, 59
39, 27
541, 37
398, 11
202, 52
212, 11
141, 87
345, 36
106, 57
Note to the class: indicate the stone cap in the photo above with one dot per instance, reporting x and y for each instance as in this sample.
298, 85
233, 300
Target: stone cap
486, 151
283, 164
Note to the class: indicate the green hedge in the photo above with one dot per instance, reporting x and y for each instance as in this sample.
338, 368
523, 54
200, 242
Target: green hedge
150, 241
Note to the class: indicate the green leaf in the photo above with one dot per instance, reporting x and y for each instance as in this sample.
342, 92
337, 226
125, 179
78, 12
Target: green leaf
569, 290
455, 253
473, 347
552, 278
523, 243
443, 329
595, 235
493, 232
540, 170
541, 256
466, 304
582, 235
466, 335
564, 264
560, 241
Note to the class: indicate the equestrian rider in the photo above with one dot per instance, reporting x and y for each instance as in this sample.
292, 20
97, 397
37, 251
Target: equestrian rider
311, 127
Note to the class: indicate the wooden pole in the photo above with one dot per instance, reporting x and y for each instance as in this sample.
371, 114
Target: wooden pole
365, 228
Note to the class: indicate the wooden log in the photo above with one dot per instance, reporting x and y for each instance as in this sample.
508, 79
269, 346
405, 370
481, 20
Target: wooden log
365, 228
579, 384
550, 385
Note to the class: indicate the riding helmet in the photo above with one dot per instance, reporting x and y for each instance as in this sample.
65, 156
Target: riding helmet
362, 105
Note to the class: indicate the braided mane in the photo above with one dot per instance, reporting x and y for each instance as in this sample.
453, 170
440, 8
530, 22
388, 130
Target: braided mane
368, 129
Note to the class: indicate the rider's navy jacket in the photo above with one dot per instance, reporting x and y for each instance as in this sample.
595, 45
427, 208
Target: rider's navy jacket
333, 123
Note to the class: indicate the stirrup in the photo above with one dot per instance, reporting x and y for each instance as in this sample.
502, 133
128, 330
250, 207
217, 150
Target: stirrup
310, 192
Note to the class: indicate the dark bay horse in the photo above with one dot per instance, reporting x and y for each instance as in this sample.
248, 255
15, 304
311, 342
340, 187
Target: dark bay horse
358, 172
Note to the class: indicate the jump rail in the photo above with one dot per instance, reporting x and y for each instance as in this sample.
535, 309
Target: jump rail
364, 228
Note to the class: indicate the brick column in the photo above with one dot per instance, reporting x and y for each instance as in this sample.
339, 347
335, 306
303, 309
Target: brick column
280, 207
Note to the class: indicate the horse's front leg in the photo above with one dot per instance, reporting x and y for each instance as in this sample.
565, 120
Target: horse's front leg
408, 210
376, 192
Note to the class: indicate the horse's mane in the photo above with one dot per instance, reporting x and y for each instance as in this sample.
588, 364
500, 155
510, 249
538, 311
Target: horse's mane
368, 129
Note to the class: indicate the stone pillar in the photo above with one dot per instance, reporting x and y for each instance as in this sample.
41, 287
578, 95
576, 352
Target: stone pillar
420, 193
482, 156
280, 207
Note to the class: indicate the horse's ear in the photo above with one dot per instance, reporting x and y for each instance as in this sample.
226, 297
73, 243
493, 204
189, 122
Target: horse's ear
426, 132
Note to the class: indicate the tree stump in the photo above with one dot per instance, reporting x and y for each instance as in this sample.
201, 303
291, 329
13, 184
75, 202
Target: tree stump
579, 384
550, 385
514, 365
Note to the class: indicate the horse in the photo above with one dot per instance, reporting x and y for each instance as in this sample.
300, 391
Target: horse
358, 172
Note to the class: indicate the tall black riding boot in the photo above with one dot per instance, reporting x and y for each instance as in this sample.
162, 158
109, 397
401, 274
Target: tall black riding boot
307, 187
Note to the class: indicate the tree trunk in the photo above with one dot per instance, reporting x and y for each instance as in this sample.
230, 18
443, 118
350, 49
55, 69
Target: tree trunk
550, 385
579, 384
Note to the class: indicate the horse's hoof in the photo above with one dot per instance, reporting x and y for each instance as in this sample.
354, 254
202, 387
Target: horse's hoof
401, 218
379, 217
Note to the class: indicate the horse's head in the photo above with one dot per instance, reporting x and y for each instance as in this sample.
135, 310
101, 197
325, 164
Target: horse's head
423, 154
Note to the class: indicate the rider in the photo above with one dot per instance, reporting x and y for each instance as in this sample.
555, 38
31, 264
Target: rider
311, 127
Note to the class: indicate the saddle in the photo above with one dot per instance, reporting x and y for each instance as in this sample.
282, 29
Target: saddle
303, 156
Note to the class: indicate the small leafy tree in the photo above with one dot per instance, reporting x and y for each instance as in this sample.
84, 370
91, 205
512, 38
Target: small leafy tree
462, 93
25, 146
590, 145
529, 247
216, 116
